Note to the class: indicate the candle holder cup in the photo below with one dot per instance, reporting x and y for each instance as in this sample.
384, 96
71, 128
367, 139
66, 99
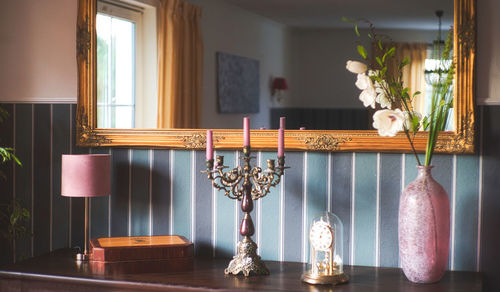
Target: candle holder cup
246, 184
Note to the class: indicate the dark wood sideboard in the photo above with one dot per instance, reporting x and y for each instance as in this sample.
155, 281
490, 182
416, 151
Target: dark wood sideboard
57, 271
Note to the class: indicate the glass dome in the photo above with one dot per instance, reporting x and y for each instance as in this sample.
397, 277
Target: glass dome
326, 251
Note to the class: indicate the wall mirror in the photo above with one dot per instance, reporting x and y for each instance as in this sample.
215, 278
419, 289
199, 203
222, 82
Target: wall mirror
306, 43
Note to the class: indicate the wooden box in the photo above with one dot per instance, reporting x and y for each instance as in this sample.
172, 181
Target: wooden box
142, 254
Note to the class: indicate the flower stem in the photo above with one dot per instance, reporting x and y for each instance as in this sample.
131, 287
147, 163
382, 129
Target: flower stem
412, 147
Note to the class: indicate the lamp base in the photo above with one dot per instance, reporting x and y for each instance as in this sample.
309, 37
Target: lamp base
247, 261
82, 257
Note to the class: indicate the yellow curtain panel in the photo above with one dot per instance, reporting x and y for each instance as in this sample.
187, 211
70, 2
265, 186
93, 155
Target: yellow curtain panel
180, 71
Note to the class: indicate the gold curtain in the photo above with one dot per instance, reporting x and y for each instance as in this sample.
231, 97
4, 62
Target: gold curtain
180, 71
413, 73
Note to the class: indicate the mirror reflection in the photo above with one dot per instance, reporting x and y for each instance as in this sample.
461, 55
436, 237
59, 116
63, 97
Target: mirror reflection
284, 59
127, 81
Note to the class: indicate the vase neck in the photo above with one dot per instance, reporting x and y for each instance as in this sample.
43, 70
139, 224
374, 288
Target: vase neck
424, 171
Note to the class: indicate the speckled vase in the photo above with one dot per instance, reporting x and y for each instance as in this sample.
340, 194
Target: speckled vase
424, 228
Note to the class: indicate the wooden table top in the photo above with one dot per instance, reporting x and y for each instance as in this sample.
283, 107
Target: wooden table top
58, 270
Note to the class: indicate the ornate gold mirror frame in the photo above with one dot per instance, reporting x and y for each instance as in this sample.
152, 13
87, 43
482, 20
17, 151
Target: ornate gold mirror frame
459, 141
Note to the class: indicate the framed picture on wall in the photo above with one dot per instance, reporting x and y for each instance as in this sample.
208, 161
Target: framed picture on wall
237, 84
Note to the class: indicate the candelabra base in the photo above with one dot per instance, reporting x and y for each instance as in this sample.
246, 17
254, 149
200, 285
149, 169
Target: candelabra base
247, 261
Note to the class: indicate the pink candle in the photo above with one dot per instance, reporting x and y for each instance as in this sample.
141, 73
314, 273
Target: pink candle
246, 131
281, 142
210, 146
302, 128
282, 123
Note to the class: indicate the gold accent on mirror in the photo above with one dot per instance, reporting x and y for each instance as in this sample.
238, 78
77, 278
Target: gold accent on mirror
465, 140
467, 36
323, 142
459, 141
83, 39
85, 134
197, 141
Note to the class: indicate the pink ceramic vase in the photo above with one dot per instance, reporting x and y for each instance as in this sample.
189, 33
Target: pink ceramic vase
424, 228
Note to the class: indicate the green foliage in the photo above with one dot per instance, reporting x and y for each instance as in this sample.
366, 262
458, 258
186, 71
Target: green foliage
362, 51
13, 216
442, 102
391, 85
3, 114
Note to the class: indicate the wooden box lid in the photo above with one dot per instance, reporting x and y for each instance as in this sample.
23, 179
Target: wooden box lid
140, 248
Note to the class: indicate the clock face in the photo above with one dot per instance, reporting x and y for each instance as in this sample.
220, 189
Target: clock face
321, 236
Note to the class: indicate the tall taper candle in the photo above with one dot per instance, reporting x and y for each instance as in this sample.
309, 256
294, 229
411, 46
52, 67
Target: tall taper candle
281, 142
246, 131
210, 146
282, 123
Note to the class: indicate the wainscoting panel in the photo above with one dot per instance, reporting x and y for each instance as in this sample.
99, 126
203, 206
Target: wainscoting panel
226, 213
163, 192
42, 182
269, 217
23, 176
390, 177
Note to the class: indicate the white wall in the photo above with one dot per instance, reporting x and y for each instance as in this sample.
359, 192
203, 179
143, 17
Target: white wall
229, 29
488, 52
319, 56
38, 51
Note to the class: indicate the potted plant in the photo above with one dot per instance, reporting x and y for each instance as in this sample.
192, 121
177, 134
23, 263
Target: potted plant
13, 216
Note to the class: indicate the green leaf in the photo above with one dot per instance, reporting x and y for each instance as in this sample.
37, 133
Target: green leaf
389, 53
415, 124
405, 62
379, 61
417, 93
345, 19
379, 43
362, 51
425, 123
393, 91
383, 71
404, 93
356, 30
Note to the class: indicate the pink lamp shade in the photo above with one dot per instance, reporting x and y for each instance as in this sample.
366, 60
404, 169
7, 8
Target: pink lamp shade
279, 83
86, 175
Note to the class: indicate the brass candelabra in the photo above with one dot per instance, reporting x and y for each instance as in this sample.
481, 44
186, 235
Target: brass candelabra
246, 184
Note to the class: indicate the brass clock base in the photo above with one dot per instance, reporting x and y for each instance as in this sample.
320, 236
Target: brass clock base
323, 279
247, 261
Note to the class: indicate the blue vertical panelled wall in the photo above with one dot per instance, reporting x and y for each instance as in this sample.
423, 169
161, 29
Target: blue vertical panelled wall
163, 192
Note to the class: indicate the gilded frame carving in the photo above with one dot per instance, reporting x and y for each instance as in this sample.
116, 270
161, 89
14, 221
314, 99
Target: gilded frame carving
459, 141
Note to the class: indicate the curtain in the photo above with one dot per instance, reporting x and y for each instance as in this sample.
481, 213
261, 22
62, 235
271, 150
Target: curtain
180, 70
413, 73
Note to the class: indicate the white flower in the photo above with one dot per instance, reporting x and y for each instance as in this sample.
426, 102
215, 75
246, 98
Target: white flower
363, 82
368, 96
372, 72
356, 67
382, 98
408, 122
388, 122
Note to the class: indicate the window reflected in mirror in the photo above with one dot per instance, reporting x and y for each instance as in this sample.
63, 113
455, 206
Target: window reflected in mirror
126, 65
